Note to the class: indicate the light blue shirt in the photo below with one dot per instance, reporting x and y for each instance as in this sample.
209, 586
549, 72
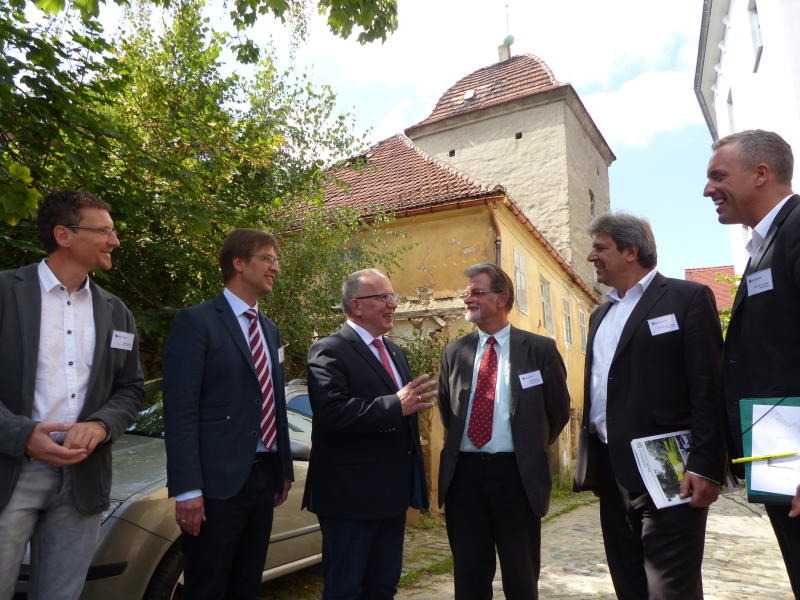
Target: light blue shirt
501, 419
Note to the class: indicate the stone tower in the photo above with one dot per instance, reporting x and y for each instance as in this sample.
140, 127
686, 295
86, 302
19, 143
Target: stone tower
512, 123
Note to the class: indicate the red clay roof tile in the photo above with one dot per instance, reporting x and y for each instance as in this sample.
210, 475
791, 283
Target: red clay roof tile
708, 276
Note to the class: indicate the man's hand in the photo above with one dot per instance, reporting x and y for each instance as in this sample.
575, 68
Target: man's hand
703, 491
280, 497
795, 503
85, 435
190, 514
41, 446
413, 396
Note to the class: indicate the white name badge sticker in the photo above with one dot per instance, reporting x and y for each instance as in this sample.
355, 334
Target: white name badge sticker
122, 340
530, 379
663, 324
281, 354
760, 281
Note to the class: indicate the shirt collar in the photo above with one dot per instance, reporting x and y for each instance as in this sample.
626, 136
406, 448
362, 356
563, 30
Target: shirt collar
363, 333
238, 306
638, 289
501, 337
48, 280
760, 231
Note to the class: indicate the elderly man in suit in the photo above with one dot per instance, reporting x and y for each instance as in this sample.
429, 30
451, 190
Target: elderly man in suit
366, 462
503, 399
228, 457
652, 367
749, 180
70, 384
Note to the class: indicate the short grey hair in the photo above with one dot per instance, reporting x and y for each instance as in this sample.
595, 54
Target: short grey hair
760, 146
352, 284
628, 231
499, 280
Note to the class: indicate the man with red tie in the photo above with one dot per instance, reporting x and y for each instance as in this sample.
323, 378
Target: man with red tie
366, 462
503, 399
228, 456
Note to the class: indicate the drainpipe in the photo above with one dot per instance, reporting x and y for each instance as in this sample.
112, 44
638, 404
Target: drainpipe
492, 207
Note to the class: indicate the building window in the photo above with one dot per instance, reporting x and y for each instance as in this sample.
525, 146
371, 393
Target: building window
451, 154
567, 322
547, 309
520, 283
591, 204
582, 326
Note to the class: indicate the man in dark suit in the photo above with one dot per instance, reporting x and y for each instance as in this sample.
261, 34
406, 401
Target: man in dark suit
70, 384
366, 462
749, 180
652, 367
228, 456
503, 399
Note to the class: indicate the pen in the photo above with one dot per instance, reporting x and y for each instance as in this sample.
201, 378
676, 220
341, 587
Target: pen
763, 457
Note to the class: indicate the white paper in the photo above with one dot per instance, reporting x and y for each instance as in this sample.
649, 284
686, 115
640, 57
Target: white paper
122, 340
661, 460
760, 281
531, 379
281, 354
776, 433
663, 324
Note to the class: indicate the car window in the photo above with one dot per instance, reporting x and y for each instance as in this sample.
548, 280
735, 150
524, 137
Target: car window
151, 417
300, 403
299, 426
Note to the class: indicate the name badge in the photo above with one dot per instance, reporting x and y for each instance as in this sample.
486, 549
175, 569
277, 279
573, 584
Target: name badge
663, 324
280, 354
530, 379
122, 340
760, 281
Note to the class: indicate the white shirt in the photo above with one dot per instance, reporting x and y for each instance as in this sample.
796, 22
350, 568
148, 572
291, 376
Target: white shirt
760, 231
368, 337
239, 308
66, 351
605, 346
501, 417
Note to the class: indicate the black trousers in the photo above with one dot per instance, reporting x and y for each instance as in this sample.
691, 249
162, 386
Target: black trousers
486, 509
226, 560
653, 554
788, 533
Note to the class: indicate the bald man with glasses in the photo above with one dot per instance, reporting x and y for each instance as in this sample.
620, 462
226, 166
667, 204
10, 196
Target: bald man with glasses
366, 462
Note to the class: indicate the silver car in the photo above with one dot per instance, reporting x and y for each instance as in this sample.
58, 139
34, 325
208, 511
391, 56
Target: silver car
139, 554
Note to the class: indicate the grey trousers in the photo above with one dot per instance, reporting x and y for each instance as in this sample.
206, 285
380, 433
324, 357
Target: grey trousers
62, 540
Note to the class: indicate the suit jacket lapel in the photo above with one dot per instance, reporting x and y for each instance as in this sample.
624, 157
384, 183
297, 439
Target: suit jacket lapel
397, 358
29, 308
464, 365
231, 323
517, 352
654, 291
369, 358
101, 309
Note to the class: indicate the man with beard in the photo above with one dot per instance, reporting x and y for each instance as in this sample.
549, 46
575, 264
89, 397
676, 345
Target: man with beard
503, 399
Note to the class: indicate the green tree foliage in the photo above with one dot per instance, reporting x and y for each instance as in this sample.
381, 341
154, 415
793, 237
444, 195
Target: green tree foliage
192, 152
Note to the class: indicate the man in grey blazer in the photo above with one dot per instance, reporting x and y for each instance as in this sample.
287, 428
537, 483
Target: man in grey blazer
750, 182
503, 399
70, 384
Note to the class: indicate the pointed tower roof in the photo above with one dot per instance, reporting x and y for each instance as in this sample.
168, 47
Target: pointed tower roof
517, 77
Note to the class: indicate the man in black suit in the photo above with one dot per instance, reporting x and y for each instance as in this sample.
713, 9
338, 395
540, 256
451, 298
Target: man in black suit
228, 456
366, 462
503, 399
70, 384
652, 367
749, 180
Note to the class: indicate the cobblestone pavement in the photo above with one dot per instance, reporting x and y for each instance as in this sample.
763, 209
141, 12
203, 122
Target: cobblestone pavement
742, 560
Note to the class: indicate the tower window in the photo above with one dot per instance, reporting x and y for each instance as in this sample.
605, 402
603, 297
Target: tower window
518, 135
452, 153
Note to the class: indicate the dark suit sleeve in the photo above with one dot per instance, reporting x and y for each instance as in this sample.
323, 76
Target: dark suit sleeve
556, 394
702, 338
122, 407
184, 365
336, 407
443, 388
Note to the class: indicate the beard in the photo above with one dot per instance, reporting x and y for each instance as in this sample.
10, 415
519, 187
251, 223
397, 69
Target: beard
473, 316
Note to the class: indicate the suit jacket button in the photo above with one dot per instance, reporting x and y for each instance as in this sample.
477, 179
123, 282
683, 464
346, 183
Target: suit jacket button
253, 433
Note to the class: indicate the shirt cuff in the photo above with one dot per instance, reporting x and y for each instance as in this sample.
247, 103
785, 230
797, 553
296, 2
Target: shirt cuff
704, 477
188, 495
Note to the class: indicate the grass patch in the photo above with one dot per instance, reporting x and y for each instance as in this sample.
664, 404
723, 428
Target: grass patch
440, 567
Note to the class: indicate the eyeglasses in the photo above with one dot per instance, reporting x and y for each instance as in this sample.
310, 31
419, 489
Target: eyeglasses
104, 230
385, 298
267, 258
475, 294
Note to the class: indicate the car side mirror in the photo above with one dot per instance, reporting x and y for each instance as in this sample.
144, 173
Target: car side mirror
300, 450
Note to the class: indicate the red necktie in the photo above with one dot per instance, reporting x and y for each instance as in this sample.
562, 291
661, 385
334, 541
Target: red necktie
268, 428
480, 421
378, 343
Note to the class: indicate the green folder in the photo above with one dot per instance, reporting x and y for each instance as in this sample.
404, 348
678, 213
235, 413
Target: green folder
746, 415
